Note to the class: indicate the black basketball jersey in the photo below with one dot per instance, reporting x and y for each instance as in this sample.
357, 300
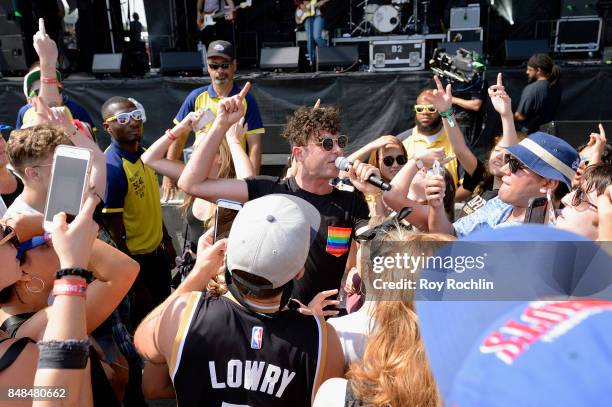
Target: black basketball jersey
226, 355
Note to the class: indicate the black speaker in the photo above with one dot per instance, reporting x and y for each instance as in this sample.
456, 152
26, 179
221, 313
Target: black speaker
12, 55
521, 50
280, 58
175, 63
107, 64
335, 57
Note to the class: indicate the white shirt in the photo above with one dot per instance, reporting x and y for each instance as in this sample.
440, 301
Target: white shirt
19, 206
353, 331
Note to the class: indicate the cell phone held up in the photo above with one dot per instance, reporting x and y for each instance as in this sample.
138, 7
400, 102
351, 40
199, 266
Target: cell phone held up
207, 117
225, 213
69, 179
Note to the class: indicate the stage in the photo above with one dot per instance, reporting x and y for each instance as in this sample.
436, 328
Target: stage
371, 104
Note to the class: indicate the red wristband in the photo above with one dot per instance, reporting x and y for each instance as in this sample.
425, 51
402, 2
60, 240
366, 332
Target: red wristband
170, 134
69, 287
50, 80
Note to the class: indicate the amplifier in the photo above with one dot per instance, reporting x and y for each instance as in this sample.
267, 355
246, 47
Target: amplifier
578, 34
397, 55
465, 17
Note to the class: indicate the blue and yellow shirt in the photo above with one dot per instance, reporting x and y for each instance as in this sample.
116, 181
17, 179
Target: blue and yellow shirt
206, 98
132, 188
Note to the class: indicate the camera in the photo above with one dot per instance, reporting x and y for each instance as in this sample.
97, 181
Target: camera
464, 67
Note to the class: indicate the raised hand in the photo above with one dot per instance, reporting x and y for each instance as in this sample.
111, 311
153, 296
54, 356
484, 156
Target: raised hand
231, 109
499, 98
72, 242
50, 115
237, 132
435, 188
595, 147
43, 44
442, 99
430, 155
320, 301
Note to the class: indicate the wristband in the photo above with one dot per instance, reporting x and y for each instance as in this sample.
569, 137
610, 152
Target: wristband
50, 80
69, 287
449, 116
170, 134
373, 197
68, 354
79, 272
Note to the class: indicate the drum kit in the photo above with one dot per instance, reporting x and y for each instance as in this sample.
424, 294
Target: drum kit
384, 17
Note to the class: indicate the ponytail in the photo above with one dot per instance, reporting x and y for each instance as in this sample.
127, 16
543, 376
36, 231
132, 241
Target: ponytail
545, 63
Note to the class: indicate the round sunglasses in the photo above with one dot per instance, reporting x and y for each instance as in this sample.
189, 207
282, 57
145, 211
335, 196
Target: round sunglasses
328, 143
389, 160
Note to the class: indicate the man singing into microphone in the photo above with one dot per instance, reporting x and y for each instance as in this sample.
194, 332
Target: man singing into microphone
314, 134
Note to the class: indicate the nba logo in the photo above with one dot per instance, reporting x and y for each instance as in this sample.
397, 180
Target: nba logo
256, 337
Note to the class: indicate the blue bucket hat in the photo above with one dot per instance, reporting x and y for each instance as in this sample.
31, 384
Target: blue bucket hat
547, 156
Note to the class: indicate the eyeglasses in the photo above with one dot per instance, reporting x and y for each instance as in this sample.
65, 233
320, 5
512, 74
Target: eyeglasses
214, 67
8, 235
328, 142
425, 109
513, 163
124, 118
389, 160
581, 197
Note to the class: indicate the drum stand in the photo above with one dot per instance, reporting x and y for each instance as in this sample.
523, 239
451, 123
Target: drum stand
364, 26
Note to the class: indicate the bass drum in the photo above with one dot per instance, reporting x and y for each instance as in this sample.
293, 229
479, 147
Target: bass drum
386, 19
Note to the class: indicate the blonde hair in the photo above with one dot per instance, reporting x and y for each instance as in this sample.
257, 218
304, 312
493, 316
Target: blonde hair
394, 370
226, 170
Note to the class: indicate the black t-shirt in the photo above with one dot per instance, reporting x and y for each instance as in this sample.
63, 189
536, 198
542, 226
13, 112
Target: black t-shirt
470, 182
342, 213
539, 102
10, 197
231, 356
470, 121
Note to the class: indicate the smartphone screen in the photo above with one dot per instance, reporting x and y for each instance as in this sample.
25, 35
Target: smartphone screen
224, 217
67, 185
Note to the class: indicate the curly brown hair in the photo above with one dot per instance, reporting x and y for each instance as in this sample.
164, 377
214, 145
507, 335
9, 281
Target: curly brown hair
307, 122
30, 146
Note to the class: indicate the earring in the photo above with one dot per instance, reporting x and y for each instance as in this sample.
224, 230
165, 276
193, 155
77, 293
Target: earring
38, 289
552, 218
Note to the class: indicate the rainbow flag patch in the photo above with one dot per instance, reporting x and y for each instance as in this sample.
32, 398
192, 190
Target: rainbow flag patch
338, 240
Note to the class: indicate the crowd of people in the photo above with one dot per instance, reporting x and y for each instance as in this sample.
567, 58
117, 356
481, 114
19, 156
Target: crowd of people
281, 311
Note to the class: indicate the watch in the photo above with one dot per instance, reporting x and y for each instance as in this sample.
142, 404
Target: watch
419, 164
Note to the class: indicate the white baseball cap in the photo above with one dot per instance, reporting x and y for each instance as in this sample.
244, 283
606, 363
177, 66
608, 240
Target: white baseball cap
271, 238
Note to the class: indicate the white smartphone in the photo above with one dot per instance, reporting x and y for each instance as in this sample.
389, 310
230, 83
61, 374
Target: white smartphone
69, 179
225, 213
207, 117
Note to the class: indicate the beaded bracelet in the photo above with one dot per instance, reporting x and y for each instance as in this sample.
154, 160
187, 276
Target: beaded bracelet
79, 272
50, 80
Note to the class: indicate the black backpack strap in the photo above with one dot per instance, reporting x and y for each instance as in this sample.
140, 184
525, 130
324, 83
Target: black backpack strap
13, 352
12, 323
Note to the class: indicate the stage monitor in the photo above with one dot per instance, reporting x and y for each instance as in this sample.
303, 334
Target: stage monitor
181, 63
280, 58
522, 50
107, 64
342, 56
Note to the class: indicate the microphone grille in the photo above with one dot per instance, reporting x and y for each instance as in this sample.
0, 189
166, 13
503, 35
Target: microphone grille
342, 163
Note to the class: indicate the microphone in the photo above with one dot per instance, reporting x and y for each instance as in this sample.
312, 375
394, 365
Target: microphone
343, 164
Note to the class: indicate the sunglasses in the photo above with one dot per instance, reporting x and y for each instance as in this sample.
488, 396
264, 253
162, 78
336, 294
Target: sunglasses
581, 197
328, 142
425, 109
513, 163
8, 235
214, 66
124, 118
389, 160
